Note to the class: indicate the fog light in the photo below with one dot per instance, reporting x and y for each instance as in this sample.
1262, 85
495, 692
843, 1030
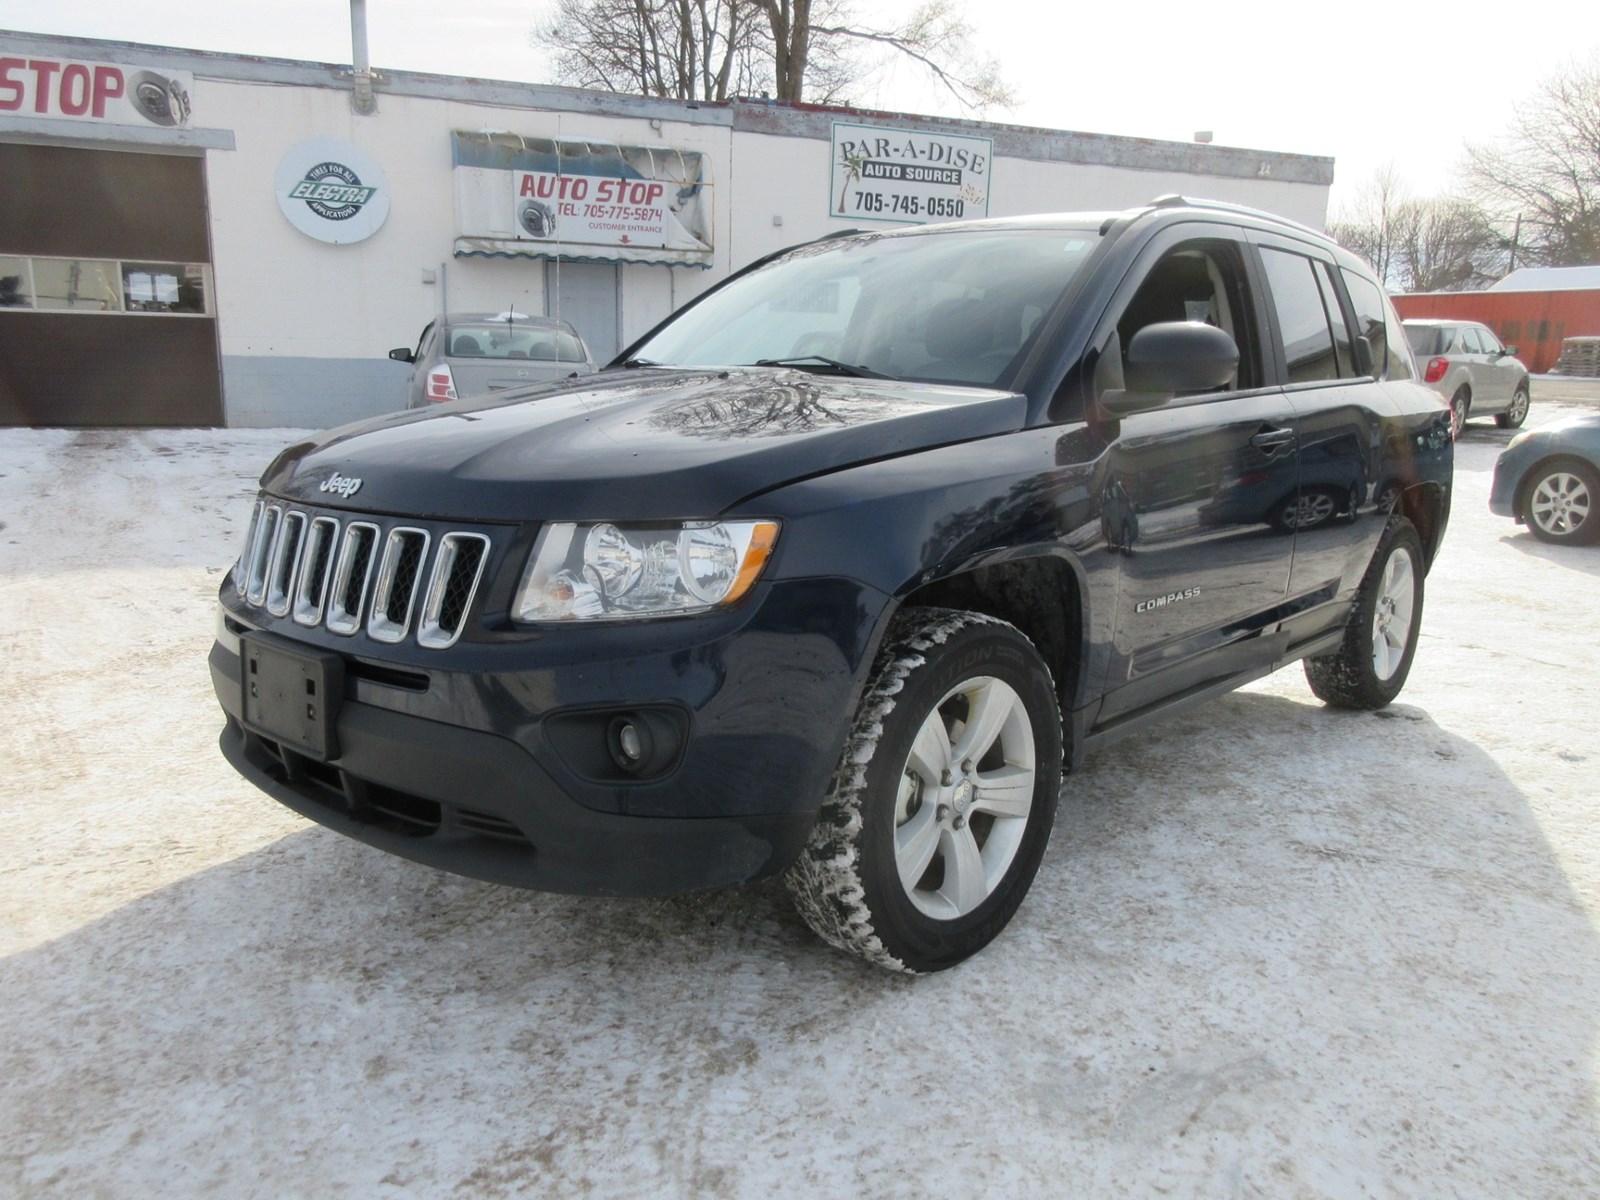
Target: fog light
629, 742
644, 743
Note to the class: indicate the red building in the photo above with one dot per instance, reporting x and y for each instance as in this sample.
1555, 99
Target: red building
1532, 309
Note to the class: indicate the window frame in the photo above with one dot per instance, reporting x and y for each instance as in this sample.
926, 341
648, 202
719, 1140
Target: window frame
1199, 235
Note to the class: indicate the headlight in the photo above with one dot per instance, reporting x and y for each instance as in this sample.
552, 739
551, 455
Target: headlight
613, 572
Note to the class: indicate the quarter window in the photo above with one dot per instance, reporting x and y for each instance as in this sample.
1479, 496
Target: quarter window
1371, 322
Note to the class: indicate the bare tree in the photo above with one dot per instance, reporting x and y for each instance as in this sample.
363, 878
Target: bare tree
1547, 169
793, 50
685, 49
1428, 244
1368, 226
1446, 244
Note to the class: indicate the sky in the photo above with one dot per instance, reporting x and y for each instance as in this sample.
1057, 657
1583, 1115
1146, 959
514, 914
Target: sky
1407, 83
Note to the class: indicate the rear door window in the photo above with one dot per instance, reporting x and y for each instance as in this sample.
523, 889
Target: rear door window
1308, 344
1342, 343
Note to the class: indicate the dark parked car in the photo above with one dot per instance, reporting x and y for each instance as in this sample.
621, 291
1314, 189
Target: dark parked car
1465, 363
836, 570
474, 354
1549, 480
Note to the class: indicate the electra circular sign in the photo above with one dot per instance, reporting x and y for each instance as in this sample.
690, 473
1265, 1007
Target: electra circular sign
333, 191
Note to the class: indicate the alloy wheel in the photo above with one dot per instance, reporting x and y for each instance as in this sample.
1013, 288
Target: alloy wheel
965, 794
1560, 504
1391, 615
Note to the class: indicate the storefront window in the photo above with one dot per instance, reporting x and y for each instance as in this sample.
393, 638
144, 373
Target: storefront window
103, 286
84, 285
15, 289
163, 287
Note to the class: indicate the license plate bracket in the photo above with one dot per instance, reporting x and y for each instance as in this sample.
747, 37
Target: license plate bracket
291, 694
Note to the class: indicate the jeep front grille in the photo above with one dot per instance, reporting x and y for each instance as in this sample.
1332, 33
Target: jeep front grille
353, 576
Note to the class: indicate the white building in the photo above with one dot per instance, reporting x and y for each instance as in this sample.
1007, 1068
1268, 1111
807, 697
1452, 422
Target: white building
190, 238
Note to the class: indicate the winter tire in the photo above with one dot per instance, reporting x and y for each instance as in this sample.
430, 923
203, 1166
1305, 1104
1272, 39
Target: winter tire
1560, 500
1459, 404
1518, 412
1370, 668
943, 801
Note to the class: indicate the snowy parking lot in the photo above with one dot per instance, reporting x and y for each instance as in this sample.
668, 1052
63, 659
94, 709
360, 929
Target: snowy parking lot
1273, 950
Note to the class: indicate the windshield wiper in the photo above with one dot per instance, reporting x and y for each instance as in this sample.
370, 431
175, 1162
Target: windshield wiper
632, 363
843, 368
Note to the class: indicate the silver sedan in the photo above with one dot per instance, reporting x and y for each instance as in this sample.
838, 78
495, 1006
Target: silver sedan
470, 354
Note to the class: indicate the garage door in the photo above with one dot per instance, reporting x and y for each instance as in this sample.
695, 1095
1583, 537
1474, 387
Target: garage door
106, 309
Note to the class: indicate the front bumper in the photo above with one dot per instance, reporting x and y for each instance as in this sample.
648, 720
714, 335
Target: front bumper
1509, 470
381, 793
477, 762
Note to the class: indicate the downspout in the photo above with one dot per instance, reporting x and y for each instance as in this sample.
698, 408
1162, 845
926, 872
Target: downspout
362, 99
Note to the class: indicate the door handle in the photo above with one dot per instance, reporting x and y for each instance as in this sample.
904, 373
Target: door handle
1270, 439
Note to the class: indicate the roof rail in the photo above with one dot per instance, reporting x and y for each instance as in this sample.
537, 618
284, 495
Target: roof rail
1174, 200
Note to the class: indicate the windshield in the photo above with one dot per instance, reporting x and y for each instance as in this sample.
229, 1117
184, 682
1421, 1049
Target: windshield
494, 340
950, 307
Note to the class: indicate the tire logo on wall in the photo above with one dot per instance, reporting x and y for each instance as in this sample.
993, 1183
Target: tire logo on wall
536, 218
160, 100
333, 191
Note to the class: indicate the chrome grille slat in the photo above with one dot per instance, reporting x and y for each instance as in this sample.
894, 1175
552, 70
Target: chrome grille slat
241, 570
352, 577
457, 570
399, 573
284, 564
311, 590
260, 552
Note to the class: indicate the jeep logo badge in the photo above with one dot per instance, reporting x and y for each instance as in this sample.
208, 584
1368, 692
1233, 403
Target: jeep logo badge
342, 485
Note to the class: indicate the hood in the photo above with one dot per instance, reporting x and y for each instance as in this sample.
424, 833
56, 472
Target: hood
630, 444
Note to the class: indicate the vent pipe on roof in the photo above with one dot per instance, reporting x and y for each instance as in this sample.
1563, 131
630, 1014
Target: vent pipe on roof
362, 100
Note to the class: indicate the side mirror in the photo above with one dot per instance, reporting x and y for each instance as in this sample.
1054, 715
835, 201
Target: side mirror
1508, 351
402, 354
1169, 358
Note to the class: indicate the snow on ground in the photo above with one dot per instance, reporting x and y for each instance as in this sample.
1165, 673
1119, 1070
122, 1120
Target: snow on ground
1274, 950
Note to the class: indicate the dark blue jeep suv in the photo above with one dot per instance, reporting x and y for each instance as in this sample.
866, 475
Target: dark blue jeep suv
836, 571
